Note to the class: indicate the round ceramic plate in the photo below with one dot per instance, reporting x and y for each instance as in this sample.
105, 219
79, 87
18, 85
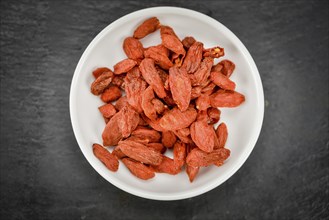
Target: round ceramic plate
244, 122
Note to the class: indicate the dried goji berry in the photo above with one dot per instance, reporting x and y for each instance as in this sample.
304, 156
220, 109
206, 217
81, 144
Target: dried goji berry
201, 75
147, 105
167, 30
188, 42
225, 98
99, 71
108, 159
222, 81
168, 139
222, 134
152, 77
179, 154
202, 102
147, 134
135, 86
214, 52
112, 132
213, 115
111, 94
121, 102
129, 120
192, 172
101, 83
148, 26
107, 110
202, 135
228, 67
167, 166
160, 55
140, 152
199, 158
133, 48
180, 86
124, 66
176, 119
193, 57
172, 42
138, 169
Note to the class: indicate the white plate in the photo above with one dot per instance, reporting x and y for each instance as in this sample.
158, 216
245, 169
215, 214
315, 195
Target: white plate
244, 123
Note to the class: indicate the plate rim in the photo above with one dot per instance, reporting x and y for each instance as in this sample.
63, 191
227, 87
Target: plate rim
259, 91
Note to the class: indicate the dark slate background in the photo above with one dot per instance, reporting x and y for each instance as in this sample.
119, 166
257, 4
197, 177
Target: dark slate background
44, 174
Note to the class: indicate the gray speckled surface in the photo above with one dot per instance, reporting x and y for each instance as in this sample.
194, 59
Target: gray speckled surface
45, 176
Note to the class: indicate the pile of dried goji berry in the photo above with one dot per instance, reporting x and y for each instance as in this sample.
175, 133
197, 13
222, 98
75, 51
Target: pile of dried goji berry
172, 94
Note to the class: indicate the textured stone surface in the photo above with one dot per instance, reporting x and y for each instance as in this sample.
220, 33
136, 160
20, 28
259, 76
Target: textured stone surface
44, 174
